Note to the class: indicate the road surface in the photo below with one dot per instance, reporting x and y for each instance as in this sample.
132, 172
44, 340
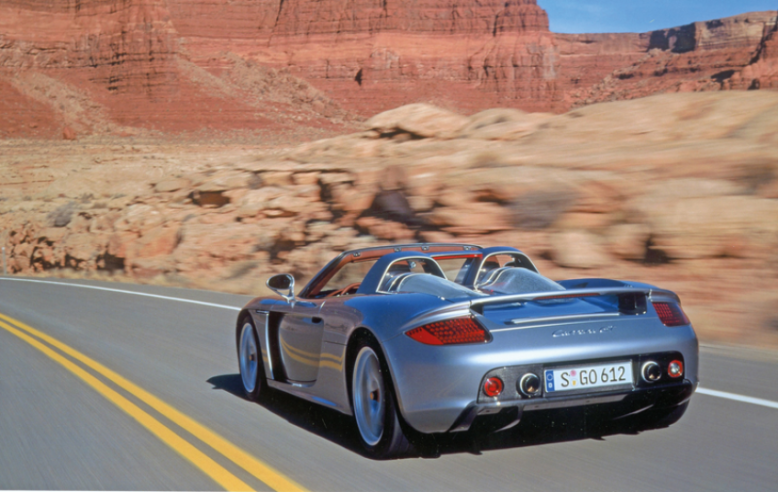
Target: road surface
117, 386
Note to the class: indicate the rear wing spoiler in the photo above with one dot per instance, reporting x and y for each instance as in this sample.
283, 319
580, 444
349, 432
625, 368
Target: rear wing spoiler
632, 300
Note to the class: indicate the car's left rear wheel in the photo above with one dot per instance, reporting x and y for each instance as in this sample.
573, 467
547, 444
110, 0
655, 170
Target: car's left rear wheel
373, 401
252, 373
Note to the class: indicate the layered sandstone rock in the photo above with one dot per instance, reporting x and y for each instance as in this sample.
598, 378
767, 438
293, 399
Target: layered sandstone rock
703, 56
372, 56
124, 64
762, 73
140, 66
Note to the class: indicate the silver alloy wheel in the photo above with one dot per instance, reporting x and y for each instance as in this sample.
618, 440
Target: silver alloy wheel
369, 396
249, 358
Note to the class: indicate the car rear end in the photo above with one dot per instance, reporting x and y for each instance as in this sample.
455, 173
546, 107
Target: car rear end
625, 350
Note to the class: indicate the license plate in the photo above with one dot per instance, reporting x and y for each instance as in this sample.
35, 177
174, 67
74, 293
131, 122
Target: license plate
585, 377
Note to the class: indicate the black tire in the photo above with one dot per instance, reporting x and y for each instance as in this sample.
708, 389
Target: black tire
252, 370
379, 424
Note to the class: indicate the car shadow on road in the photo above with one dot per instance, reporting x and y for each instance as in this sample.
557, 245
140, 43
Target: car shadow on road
537, 429
534, 430
322, 421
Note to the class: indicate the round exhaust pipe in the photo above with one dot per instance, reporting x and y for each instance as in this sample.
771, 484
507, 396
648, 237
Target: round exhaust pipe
529, 385
651, 372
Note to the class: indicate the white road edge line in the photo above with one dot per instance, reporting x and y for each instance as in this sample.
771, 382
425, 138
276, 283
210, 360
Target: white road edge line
740, 398
201, 303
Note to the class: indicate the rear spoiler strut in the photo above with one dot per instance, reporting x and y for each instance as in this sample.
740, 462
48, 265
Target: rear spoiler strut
631, 300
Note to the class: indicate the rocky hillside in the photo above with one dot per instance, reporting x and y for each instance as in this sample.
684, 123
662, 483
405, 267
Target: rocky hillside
144, 67
679, 190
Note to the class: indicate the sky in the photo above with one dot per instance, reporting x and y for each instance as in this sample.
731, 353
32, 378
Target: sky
589, 16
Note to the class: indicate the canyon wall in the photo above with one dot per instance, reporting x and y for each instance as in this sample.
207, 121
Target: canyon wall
128, 66
703, 56
116, 66
374, 55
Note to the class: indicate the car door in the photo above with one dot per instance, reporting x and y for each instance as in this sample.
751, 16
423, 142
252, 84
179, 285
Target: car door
300, 331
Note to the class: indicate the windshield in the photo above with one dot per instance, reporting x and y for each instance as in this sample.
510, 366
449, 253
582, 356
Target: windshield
517, 281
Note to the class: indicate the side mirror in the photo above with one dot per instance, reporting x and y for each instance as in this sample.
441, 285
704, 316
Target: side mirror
283, 285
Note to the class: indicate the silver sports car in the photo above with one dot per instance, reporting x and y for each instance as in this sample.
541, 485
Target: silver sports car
436, 338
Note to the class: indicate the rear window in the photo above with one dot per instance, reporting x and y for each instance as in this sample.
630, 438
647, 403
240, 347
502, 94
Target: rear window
455, 268
518, 281
436, 286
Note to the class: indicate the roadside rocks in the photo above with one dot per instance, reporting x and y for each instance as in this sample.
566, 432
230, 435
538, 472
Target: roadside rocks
659, 208
578, 249
418, 121
709, 227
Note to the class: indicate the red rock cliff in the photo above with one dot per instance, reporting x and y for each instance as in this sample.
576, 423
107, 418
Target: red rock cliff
374, 54
102, 65
703, 56
172, 65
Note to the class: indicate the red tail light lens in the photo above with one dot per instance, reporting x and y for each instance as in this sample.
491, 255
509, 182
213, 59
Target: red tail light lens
493, 387
670, 313
675, 369
450, 332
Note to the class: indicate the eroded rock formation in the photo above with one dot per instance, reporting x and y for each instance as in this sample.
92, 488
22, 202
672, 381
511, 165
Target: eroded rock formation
678, 190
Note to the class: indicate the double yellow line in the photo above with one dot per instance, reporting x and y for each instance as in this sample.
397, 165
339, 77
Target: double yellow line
218, 473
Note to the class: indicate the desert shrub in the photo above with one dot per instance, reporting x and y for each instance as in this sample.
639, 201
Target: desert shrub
61, 216
540, 208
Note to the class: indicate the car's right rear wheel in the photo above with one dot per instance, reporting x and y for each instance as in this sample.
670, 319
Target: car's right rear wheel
375, 410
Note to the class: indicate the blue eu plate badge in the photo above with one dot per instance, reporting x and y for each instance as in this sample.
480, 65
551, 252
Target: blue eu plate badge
549, 380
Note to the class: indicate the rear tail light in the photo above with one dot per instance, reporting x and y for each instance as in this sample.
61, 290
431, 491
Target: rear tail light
670, 313
450, 332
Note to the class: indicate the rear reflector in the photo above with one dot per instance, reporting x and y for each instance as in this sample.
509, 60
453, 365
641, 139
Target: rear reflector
670, 313
450, 332
675, 369
493, 387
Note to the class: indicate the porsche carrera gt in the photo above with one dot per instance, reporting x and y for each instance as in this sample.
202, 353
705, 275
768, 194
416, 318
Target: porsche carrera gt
436, 338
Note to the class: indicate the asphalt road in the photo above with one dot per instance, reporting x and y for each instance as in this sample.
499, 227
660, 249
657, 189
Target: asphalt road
59, 429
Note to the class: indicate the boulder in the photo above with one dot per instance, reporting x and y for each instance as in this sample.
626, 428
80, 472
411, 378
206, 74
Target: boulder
171, 184
422, 120
578, 249
159, 241
471, 218
737, 226
628, 241
502, 124
84, 246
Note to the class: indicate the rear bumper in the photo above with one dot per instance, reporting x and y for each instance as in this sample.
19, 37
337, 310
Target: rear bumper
609, 405
437, 385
